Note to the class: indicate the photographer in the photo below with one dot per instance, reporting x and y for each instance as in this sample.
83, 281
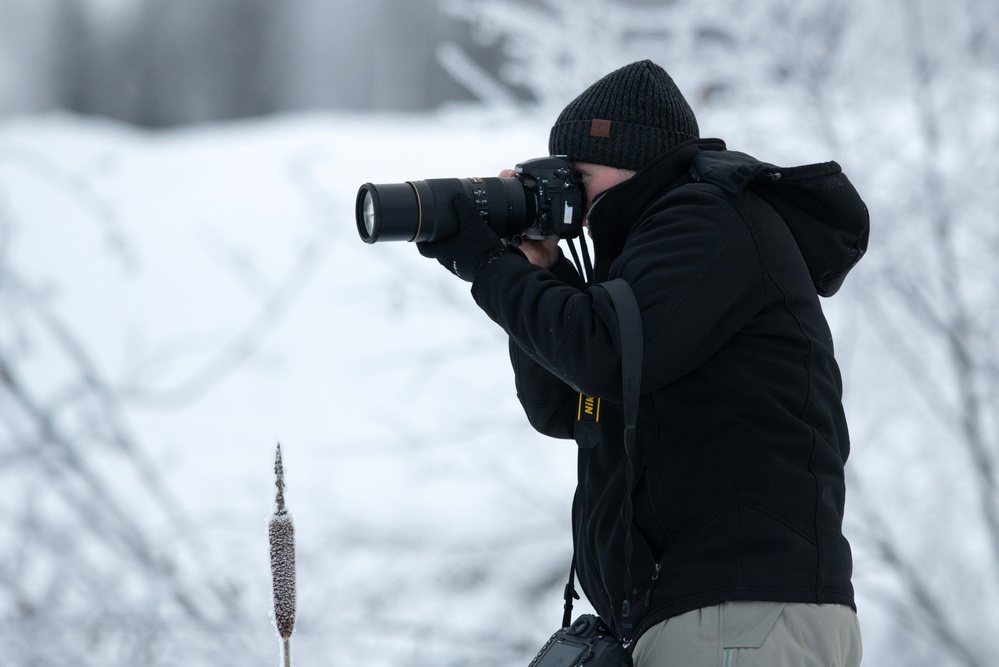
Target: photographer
737, 554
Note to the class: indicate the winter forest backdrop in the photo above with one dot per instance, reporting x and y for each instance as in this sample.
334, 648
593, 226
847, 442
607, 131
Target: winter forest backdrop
182, 286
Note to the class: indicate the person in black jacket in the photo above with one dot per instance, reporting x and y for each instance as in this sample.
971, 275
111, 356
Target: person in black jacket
736, 544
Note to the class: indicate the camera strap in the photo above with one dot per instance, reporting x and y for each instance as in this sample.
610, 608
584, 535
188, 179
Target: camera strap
629, 322
632, 342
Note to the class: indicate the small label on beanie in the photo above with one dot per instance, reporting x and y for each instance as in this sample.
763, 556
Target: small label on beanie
600, 128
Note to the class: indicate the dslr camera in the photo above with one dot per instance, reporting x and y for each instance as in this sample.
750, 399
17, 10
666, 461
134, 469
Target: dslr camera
586, 643
543, 201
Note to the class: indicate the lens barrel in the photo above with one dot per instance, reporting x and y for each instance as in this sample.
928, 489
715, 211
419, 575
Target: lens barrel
423, 211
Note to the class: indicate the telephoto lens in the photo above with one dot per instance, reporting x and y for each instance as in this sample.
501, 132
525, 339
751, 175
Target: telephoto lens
422, 210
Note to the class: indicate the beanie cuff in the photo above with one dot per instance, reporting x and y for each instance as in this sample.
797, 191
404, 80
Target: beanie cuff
623, 145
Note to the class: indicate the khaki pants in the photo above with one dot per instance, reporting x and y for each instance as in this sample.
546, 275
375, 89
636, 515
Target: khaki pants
754, 634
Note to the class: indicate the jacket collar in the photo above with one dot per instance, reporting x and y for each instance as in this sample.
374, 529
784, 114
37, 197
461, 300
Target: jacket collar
615, 212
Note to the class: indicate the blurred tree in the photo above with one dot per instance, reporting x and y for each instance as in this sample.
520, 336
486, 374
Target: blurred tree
84, 579
87, 574
931, 299
29, 47
159, 63
553, 49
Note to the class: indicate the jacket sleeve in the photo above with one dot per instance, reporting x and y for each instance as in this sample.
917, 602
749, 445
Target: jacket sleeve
693, 266
549, 403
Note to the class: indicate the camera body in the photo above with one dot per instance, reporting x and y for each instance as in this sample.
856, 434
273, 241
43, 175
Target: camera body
542, 201
587, 641
559, 213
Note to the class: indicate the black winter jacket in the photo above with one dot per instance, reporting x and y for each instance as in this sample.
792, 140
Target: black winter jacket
742, 438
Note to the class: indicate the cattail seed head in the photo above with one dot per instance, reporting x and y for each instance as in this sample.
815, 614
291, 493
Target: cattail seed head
281, 532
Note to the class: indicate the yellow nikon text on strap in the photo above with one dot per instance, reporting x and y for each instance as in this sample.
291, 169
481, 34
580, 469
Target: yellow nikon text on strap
587, 429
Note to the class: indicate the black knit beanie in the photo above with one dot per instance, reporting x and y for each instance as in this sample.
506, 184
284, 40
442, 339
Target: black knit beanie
626, 119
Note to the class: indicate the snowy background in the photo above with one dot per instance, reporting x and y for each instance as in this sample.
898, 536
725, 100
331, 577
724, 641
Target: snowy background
174, 302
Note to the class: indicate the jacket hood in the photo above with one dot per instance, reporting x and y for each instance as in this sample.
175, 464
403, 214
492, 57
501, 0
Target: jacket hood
826, 216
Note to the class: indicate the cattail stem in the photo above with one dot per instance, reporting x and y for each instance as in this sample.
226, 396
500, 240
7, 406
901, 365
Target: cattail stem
281, 531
